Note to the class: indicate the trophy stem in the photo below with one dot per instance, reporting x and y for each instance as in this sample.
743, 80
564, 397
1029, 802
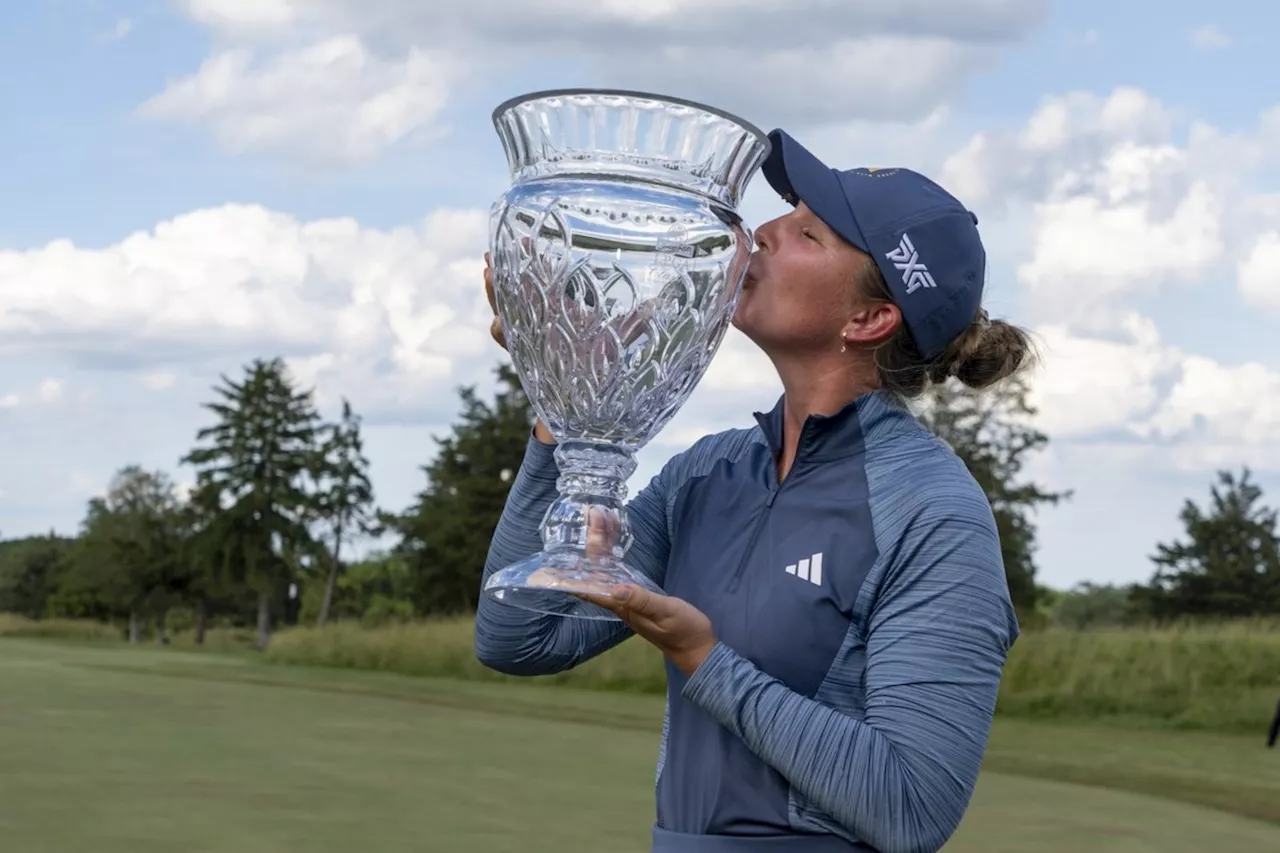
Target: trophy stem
585, 536
593, 478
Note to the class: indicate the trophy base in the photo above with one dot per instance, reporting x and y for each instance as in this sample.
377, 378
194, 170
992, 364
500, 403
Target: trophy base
551, 583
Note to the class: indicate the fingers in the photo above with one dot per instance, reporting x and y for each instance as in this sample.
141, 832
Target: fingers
488, 282
638, 601
627, 601
495, 325
623, 609
599, 540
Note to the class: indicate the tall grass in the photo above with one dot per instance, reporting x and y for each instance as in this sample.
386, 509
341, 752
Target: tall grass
445, 649
218, 639
80, 630
1223, 678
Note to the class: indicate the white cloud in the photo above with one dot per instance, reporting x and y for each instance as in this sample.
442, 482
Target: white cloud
119, 30
1090, 252
1258, 274
245, 18
1209, 37
1117, 377
159, 380
331, 102
777, 61
1060, 147
1119, 199
50, 391
1221, 405
395, 317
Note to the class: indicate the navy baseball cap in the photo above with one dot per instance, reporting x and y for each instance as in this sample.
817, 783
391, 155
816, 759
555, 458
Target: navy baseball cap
924, 241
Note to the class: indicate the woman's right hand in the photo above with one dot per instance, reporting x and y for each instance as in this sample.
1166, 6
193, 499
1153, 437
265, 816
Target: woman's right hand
495, 326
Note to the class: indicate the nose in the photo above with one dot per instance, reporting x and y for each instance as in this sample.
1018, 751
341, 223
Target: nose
764, 235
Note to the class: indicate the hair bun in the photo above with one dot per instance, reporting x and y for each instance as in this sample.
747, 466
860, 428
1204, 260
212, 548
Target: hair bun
991, 350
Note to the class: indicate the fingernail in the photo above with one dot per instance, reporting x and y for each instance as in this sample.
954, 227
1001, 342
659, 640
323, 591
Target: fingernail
622, 594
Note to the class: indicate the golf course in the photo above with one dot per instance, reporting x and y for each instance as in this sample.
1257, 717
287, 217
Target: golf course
112, 748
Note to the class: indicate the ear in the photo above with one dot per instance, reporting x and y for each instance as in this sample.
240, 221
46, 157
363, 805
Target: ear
872, 323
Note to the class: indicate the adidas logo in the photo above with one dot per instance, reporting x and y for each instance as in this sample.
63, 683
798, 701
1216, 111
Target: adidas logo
915, 275
809, 569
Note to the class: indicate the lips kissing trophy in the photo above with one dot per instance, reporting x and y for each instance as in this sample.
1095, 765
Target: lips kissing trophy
618, 257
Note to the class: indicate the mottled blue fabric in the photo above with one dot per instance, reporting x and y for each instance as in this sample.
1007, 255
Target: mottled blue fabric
863, 617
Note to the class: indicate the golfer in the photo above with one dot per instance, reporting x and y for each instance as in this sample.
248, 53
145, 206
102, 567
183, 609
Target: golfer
836, 616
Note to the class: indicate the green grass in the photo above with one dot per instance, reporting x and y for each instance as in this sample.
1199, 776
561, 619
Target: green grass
109, 748
1224, 679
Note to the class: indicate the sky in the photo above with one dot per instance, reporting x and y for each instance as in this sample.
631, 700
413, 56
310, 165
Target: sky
186, 185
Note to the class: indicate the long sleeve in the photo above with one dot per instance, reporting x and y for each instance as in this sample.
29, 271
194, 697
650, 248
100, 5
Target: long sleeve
521, 642
899, 778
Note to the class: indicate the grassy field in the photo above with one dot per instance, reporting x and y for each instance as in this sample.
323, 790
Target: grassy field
1215, 679
107, 748
1224, 679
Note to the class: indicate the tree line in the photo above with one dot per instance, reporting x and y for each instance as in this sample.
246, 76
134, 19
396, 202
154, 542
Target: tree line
282, 498
1226, 565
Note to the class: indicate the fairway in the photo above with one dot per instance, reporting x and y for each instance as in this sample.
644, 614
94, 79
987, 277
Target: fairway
108, 749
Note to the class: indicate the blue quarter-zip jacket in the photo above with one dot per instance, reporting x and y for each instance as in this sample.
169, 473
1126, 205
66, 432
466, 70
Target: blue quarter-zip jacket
863, 620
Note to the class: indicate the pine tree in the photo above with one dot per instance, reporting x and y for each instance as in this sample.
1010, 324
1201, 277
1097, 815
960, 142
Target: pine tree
262, 453
1229, 563
346, 500
446, 534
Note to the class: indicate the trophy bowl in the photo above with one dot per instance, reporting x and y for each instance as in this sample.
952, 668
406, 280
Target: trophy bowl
618, 257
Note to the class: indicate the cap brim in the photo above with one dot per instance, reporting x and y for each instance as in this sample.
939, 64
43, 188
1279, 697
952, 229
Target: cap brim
797, 175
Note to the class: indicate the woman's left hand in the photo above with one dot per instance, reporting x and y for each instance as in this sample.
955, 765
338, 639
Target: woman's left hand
681, 631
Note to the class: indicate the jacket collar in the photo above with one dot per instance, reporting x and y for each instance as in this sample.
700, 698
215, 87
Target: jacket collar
836, 435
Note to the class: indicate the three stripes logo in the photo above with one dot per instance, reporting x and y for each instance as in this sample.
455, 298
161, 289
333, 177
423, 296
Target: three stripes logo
915, 275
809, 569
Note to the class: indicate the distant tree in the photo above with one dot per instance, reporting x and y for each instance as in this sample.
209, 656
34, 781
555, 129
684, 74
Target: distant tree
1229, 563
1090, 605
128, 555
29, 570
992, 432
345, 502
445, 535
257, 462
209, 552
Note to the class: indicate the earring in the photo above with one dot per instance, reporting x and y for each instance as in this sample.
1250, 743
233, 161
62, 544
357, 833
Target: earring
844, 345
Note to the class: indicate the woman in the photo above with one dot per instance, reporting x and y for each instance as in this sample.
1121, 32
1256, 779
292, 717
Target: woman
836, 617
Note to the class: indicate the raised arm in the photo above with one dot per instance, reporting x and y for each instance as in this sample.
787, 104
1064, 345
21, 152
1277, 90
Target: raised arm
521, 642
900, 778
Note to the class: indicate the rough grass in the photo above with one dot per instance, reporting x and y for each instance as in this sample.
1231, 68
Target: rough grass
1224, 678
89, 631
444, 648
83, 630
1221, 678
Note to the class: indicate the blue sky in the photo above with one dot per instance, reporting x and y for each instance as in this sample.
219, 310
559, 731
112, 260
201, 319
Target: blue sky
1145, 276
